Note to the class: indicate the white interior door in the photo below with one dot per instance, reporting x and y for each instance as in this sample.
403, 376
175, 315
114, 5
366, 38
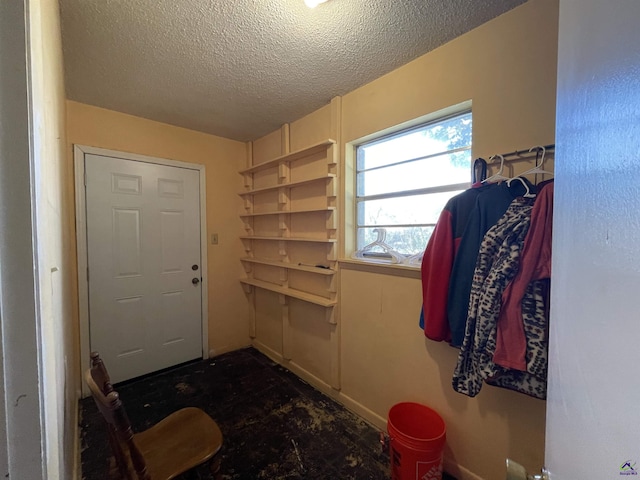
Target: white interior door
144, 270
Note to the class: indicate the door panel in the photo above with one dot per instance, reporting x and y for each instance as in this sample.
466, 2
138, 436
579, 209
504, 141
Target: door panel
143, 236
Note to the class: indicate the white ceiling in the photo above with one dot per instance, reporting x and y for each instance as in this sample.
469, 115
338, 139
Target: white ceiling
241, 68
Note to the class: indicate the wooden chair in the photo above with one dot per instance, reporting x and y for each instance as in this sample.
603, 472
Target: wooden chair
183, 440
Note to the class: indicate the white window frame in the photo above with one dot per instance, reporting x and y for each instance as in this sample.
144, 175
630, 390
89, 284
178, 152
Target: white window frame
433, 120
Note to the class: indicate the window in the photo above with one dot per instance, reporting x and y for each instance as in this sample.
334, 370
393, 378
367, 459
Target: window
404, 180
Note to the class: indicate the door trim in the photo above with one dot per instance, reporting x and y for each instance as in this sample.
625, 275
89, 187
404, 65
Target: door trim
79, 152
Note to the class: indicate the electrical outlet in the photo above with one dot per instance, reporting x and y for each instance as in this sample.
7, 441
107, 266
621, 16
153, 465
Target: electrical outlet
214, 239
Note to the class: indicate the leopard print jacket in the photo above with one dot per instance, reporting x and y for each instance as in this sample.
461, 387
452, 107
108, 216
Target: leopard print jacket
497, 264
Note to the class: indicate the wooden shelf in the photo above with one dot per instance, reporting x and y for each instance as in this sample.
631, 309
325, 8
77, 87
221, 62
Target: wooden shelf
292, 212
290, 266
307, 297
290, 157
299, 183
308, 176
291, 239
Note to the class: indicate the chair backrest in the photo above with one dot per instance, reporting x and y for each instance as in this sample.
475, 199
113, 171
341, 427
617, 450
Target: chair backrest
108, 401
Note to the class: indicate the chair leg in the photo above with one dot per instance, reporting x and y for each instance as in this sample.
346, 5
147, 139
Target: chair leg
214, 465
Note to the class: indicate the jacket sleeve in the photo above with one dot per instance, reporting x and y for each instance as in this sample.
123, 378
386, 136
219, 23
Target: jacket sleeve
535, 264
462, 279
436, 271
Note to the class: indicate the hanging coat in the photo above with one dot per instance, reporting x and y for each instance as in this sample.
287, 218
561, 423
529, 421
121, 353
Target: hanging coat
535, 264
496, 265
438, 259
489, 208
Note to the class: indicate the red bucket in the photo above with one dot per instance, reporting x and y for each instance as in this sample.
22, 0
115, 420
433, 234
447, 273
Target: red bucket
417, 436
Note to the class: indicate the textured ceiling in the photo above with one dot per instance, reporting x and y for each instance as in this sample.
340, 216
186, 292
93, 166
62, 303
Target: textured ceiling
242, 68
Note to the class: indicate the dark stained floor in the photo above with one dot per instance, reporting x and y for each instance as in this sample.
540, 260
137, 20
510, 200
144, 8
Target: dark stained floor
262, 410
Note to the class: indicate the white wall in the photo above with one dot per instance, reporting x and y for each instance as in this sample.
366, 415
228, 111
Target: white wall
54, 195
21, 452
593, 414
35, 286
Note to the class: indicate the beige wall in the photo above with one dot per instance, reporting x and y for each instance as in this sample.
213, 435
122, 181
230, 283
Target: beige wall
506, 67
507, 70
222, 158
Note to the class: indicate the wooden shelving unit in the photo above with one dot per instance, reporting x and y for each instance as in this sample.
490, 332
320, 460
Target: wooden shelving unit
291, 266
298, 183
291, 243
290, 292
295, 212
291, 157
304, 184
290, 239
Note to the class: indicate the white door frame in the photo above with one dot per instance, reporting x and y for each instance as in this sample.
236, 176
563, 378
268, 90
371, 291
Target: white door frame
79, 152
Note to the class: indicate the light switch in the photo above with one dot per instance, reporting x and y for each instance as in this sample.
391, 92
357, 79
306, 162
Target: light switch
214, 239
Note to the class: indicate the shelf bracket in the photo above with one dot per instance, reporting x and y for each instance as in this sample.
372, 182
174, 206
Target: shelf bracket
248, 181
332, 282
284, 171
284, 277
330, 316
283, 196
332, 220
282, 248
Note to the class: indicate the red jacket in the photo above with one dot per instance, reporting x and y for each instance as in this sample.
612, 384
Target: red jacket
535, 264
437, 261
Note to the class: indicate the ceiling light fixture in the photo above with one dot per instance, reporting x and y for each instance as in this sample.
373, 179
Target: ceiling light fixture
313, 3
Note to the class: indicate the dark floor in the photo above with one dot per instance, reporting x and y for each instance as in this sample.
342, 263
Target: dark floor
262, 409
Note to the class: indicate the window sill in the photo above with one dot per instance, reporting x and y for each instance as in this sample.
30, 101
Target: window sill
395, 269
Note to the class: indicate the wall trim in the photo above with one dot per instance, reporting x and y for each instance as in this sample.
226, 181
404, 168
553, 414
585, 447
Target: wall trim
77, 460
79, 152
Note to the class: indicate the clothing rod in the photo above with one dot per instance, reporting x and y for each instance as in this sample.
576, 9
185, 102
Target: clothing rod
522, 153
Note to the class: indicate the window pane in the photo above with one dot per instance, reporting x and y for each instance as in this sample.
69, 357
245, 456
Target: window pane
445, 169
403, 210
405, 240
394, 171
427, 140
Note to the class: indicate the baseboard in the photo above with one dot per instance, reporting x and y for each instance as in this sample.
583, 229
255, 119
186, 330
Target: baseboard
214, 352
268, 351
310, 378
370, 416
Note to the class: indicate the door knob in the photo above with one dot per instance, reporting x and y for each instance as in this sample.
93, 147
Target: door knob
195, 281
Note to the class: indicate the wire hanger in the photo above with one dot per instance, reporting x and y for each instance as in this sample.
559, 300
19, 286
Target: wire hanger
538, 168
367, 252
498, 175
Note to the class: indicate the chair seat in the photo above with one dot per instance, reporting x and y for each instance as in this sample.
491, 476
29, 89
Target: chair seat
179, 442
